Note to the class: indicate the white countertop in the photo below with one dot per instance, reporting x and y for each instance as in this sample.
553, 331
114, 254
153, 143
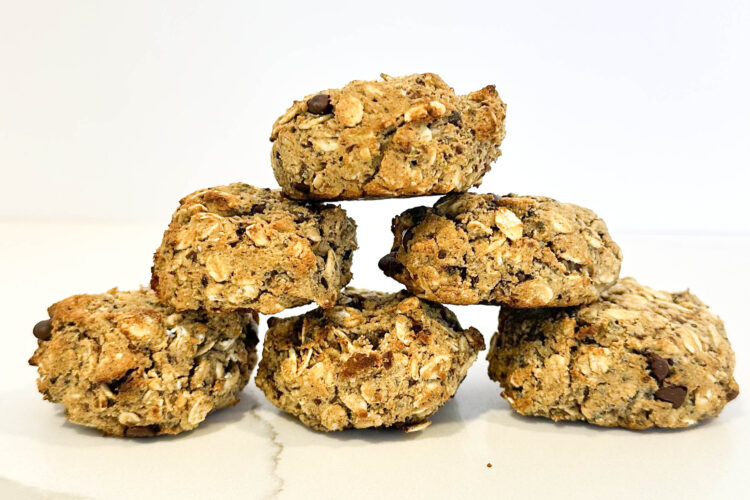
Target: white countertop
254, 451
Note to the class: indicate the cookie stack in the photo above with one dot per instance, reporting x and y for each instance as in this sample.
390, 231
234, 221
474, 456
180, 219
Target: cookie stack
573, 342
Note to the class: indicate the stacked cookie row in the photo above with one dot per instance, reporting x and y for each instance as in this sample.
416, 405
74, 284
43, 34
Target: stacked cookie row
573, 342
157, 361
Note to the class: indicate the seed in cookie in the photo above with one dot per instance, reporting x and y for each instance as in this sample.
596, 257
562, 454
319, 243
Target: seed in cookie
126, 364
403, 136
373, 360
636, 358
235, 247
519, 251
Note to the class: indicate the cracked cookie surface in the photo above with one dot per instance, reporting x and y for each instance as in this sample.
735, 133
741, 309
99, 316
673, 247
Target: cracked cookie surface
403, 136
521, 251
124, 363
637, 358
237, 246
376, 359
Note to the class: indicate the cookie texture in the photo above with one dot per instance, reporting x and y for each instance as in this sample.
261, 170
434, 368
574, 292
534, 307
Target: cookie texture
374, 360
237, 246
123, 363
637, 358
403, 136
520, 251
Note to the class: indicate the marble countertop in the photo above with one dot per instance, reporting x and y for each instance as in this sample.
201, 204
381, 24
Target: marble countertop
475, 447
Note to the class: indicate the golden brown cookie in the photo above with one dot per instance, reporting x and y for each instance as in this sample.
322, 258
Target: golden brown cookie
521, 251
374, 360
127, 365
637, 358
237, 246
403, 136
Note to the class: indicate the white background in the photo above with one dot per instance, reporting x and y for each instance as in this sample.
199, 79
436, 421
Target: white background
111, 111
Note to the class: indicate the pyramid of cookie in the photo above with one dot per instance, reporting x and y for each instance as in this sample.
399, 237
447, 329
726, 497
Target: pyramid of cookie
573, 342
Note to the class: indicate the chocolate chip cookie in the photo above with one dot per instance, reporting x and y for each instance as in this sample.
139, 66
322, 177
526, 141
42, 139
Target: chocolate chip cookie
403, 136
374, 360
637, 358
124, 363
520, 251
237, 246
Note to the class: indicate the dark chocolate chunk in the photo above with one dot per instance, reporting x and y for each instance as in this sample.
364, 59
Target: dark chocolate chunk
406, 236
417, 214
733, 393
659, 367
389, 265
204, 280
454, 118
43, 330
319, 105
674, 394
258, 208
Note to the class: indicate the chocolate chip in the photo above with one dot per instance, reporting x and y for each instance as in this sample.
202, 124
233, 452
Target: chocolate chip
407, 236
442, 254
43, 330
659, 367
733, 393
319, 105
674, 394
417, 214
114, 385
302, 188
454, 118
204, 281
389, 265
258, 208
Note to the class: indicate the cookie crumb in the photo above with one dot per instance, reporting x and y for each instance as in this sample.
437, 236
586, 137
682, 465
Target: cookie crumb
489, 465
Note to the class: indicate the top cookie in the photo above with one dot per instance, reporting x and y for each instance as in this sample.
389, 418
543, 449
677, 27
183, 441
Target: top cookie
403, 136
520, 251
237, 246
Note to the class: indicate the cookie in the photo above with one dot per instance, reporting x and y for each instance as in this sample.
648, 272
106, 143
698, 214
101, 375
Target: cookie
520, 251
404, 136
237, 246
374, 360
637, 358
125, 364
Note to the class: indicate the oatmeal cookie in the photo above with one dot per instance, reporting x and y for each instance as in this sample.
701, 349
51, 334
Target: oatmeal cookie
127, 365
637, 358
404, 136
374, 360
520, 251
237, 246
